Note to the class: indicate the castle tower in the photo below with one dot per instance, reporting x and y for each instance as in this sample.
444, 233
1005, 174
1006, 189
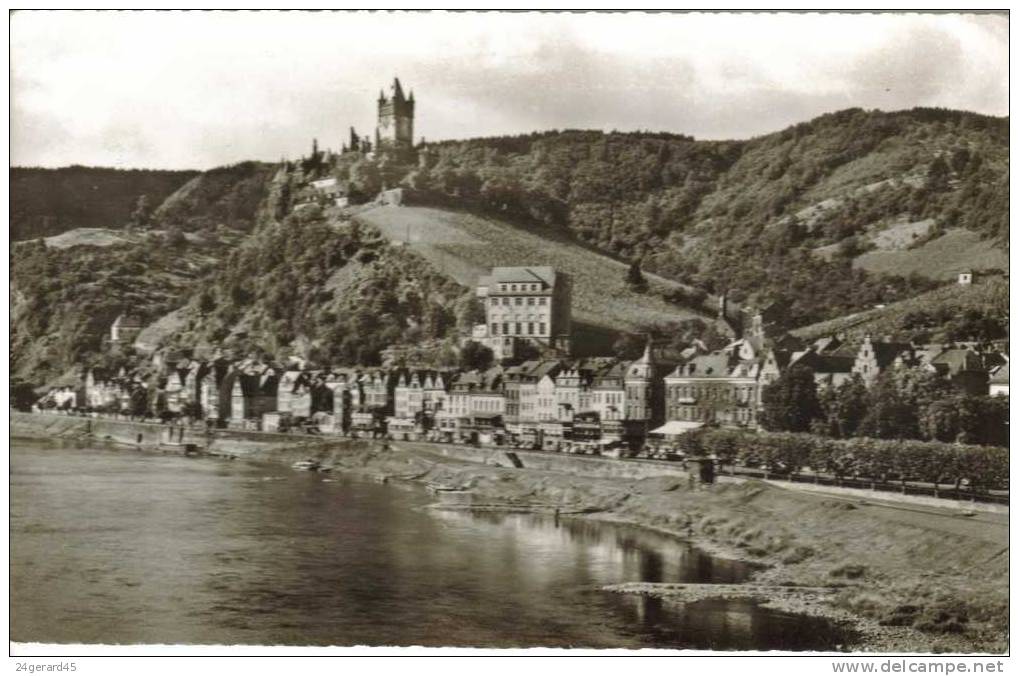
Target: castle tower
395, 130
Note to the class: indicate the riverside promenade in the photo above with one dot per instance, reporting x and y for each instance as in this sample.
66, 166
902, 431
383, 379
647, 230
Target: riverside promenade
240, 443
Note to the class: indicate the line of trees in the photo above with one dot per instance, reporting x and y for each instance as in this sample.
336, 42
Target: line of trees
900, 404
938, 463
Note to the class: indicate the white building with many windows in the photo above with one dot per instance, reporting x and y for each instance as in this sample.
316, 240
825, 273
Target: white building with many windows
524, 304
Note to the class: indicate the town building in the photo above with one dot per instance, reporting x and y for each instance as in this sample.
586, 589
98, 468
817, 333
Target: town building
526, 304
717, 388
830, 368
294, 394
644, 401
963, 368
998, 385
125, 329
474, 407
875, 357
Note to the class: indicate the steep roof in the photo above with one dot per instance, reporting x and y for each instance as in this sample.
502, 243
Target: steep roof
713, 365
827, 363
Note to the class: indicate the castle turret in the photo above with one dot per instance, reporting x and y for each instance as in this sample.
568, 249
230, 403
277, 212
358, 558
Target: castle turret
640, 377
395, 130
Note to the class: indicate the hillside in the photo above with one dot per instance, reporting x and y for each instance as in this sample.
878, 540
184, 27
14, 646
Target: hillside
950, 313
47, 202
748, 216
829, 218
940, 258
63, 300
225, 196
330, 292
465, 246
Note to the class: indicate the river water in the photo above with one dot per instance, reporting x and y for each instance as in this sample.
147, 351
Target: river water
114, 546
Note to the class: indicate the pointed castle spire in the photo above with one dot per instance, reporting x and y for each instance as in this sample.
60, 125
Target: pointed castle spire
647, 357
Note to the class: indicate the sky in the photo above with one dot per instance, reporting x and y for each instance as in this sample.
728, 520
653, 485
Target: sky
203, 89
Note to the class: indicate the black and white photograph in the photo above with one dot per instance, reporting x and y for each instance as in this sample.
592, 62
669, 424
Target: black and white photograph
510, 333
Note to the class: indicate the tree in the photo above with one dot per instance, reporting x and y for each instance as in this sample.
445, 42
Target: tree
365, 180
526, 351
22, 394
141, 217
206, 301
966, 419
844, 408
937, 175
175, 237
635, 277
890, 414
791, 403
469, 311
475, 356
628, 346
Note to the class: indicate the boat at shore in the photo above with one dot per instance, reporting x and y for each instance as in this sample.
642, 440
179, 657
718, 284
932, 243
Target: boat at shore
182, 448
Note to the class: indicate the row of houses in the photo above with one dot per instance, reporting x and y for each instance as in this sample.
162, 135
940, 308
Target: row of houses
541, 403
725, 386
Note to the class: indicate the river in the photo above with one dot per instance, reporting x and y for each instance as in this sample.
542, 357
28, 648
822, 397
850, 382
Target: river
117, 546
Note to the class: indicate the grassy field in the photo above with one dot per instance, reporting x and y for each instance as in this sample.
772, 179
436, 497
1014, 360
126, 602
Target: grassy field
889, 320
465, 246
89, 237
941, 258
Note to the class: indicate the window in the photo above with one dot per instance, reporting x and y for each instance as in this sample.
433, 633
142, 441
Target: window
543, 301
495, 329
530, 301
520, 331
519, 301
505, 328
541, 329
530, 328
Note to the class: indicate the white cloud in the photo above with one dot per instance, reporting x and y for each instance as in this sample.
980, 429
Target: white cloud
196, 89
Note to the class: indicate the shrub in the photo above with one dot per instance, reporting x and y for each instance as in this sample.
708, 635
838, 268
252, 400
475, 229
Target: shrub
980, 467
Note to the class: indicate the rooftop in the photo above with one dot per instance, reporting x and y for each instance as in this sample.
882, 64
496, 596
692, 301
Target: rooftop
537, 273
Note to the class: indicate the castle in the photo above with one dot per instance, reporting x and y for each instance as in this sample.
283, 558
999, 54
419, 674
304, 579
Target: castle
394, 130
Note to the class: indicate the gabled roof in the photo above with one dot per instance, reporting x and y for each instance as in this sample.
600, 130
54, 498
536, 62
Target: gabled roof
827, 344
826, 363
886, 352
128, 321
957, 360
713, 365
534, 273
780, 357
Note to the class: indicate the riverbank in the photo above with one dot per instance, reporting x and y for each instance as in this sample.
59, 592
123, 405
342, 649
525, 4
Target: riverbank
910, 580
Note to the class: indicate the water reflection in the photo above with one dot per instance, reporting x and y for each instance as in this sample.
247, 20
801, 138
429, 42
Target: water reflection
118, 547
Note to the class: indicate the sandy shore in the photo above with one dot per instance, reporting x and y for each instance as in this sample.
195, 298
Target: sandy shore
908, 580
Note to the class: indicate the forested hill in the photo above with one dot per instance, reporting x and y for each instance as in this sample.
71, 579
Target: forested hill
46, 202
807, 216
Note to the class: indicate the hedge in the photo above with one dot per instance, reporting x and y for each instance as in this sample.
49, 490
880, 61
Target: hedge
981, 467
